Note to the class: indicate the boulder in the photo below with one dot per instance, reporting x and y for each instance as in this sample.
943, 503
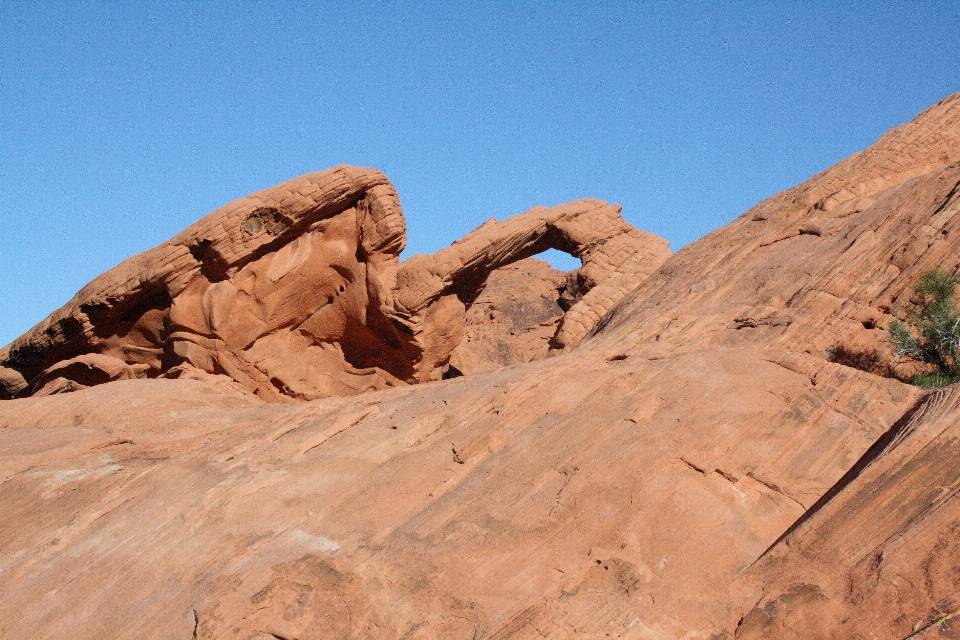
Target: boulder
11, 383
86, 371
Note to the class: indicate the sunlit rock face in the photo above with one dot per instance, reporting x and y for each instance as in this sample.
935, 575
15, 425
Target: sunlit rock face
284, 291
304, 321
297, 293
697, 467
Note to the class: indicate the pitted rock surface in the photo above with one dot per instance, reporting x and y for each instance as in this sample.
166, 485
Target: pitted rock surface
514, 319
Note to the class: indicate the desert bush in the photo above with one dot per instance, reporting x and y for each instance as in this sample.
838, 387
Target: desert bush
930, 330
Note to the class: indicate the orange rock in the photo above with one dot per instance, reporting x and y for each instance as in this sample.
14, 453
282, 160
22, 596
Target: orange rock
296, 292
695, 468
513, 319
890, 526
12, 383
87, 370
273, 290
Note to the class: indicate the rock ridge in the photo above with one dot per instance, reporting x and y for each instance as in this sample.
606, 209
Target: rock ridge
297, 292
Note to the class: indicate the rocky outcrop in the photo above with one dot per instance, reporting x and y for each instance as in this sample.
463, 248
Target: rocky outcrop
616, 258
514, 319
824, 264
274, 290
695, 468
891, 523
297, 292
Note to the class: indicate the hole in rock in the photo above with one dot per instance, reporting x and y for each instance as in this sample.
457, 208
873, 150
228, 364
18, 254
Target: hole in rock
452, 372
559, 260
212, 264
265, 218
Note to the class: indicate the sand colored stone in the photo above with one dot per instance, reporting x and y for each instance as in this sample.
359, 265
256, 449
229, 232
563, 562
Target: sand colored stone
695, 467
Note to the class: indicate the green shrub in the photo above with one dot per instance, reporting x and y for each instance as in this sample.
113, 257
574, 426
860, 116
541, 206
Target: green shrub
934, 379
930, 332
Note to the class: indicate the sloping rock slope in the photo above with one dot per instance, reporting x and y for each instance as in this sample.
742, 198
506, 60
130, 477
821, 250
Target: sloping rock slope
695, 468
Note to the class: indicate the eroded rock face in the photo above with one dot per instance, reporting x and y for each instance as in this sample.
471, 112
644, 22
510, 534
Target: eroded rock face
696, 468
283, 291
821, 265
297, 292
892, 525
616, 258
514, 319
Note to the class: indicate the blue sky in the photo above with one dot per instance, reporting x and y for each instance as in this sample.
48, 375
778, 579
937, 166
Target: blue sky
123, 122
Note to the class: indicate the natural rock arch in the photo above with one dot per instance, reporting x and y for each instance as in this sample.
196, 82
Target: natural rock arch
297, 292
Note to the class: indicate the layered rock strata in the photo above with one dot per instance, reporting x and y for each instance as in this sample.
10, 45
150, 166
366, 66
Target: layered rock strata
274, 290
695, 468
297, 292
827, 263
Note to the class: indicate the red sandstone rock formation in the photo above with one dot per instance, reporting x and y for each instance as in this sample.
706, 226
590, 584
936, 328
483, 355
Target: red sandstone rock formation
515, 317
695, 468
273, 290
296, 292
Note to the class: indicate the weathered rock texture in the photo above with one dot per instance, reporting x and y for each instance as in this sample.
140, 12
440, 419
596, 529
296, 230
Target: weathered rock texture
893, 524
297, 292
695, 468
514, 319
279, 290
616, 258
819, 265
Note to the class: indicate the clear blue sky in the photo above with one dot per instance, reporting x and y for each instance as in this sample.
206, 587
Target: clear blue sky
123, 122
